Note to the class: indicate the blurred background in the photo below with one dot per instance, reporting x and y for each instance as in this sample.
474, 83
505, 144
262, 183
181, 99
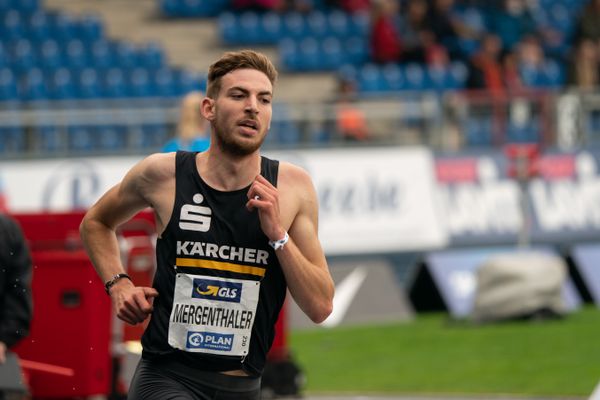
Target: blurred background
453, 145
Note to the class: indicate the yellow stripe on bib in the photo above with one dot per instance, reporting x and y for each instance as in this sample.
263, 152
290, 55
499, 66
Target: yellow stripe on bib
220, 266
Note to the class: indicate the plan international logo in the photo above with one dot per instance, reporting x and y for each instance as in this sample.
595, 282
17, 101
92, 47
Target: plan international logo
217, 290
209, 341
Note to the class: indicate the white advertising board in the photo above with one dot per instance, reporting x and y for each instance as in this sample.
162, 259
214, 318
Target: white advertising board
371, 200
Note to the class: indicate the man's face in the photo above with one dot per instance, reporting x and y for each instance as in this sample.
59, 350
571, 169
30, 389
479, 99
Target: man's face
241, 113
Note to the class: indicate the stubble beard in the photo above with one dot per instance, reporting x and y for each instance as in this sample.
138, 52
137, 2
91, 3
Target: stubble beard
233, 147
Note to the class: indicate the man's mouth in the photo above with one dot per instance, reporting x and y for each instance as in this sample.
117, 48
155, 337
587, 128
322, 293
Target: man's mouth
249, 123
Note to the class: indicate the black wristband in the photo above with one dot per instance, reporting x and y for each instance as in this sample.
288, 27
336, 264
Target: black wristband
114, 280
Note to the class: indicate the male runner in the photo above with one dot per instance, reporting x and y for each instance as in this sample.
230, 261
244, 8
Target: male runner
235, 230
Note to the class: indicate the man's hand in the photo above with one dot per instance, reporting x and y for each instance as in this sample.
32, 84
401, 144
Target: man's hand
265, 198
132, 304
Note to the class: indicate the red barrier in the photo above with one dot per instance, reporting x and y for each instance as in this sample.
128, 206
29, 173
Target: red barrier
70, 328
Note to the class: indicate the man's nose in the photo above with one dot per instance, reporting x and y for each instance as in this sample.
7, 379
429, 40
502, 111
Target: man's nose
251, 105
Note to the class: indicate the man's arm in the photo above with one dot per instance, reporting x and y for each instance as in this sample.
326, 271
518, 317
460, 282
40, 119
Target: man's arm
98, 230
302, 259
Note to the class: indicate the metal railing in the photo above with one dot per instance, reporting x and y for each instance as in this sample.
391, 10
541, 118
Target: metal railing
451, 121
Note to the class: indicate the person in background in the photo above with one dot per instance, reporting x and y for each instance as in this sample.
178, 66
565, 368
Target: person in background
192, 129
485, 66
15, 286
351, 121
386, 45
584, 67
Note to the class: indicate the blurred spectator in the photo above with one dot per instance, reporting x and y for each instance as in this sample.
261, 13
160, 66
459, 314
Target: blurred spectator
351, 123
279, 6
415, 32
531, 59
584, 67
354, 6
15, 286
511, 74
192, 129
447, 28
511, 22
385, 39
485, 68
588, 25
257, 5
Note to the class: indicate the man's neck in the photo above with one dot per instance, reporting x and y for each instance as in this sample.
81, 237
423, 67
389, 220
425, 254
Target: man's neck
225, 172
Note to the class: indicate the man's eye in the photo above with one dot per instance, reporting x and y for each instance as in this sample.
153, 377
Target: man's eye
266, 101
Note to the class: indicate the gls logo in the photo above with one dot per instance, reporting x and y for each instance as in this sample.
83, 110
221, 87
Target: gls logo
195, 218
217, 290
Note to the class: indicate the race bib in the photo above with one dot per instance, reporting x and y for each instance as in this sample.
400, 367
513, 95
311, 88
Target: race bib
213, 315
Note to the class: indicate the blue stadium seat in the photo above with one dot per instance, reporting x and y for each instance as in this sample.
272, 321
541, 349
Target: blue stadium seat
283, 130
339, 24
154, 135
332, 54
76, 55
8, 85
393, 77
114, 85
139, 84
310, 54
478, 131
163, 80
271, 27
288, 53
91, 28
102, 56
24, 57
47, 138
151, 56
228, 28
526, 132
61, 85
12, 139
317, 24
370, 79
415, 76
294, 26
4, 57
125, 55
249, 24
360, 24
63, 27
26, 7
33, 86
81, 138
38, 26
111, 137
50, 55
13, 27
356, 49
186, 81
88, 84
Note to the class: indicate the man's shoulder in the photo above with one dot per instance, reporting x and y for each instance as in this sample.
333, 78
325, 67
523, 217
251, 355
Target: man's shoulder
158, 166
293, 175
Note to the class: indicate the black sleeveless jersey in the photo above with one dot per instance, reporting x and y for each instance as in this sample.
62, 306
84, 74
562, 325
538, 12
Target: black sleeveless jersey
212, 235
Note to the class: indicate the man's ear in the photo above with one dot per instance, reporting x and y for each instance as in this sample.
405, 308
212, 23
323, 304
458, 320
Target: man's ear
208, 108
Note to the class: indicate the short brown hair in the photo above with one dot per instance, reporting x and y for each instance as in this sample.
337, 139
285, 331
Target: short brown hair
233, 60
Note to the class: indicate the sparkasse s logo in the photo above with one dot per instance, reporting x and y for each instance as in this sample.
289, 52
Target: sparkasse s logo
217, 290
193, 217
